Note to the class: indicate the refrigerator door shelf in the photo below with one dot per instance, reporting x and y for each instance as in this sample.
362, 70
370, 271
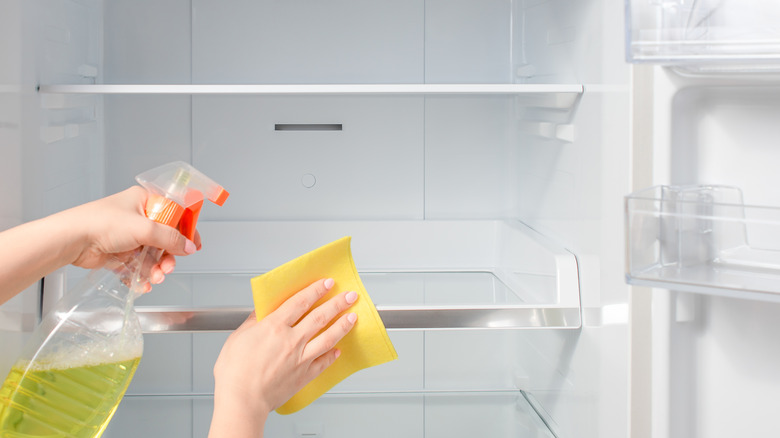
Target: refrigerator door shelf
703, 239
706, 35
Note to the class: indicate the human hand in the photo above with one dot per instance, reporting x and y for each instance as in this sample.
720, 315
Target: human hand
116, 226
264, 363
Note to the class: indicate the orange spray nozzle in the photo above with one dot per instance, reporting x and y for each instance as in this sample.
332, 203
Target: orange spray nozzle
176, 194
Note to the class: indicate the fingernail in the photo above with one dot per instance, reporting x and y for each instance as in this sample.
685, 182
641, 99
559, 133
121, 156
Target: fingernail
351, 297
158, 277
167, 269
189, 247
329, 283
338, 353
352, 317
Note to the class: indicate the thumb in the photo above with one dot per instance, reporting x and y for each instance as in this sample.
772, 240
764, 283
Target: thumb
169, 239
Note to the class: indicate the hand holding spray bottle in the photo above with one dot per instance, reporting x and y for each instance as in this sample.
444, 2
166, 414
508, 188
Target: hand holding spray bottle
77, 366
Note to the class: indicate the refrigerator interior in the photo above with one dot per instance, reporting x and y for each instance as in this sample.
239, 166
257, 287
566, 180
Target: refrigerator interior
475, 150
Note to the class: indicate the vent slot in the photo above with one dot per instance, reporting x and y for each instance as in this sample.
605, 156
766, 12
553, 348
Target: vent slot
308, 127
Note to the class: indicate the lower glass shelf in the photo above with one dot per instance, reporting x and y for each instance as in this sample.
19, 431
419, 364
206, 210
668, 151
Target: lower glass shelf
421, 275
404, 300
428, 414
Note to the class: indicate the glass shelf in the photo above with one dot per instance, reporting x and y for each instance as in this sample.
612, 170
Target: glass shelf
558, 97
705, 35
502, 275
311, 88
447, 300
510, 413
703, 239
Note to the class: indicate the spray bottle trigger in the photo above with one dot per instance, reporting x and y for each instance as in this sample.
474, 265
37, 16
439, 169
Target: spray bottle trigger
189, 220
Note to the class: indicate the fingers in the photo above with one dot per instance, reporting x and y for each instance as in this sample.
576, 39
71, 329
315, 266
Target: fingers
295, 307
167, 263
196, 241
324, 361
169, 239
320, 317
328, 339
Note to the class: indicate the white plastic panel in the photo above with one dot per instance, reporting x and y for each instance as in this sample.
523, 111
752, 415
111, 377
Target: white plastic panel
143, 132
725, 133
393, 246
147, 42
168, 417
416, 415
470, 158
166, 366
369, 169
246, 41
482, 362
19, 315
11, 117
68, 40
63, 163
718, 345
468, 41
550, 42
388, 289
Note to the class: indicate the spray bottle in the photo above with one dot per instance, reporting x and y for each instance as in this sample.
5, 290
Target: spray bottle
74, 371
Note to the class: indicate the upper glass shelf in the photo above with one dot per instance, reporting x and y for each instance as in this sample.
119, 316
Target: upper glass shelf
558, 97
705, 35
313, 89
703, 239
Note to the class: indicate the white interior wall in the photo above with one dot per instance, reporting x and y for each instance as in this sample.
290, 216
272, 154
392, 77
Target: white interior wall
396, 157
17, 316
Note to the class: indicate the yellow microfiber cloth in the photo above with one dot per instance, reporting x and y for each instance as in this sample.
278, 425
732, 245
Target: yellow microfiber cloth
366, 345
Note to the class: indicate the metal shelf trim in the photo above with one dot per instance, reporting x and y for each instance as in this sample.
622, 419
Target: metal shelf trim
170, 320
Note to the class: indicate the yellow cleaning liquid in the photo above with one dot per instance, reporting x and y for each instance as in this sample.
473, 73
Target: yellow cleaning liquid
75, 402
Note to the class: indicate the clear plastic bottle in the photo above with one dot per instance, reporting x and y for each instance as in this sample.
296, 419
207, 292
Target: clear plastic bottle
77, 366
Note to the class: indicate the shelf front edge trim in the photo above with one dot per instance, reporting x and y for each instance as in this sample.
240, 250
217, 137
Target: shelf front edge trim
311, 89
165, 320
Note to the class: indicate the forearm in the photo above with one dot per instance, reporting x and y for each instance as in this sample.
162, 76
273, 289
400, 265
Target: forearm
30, 251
